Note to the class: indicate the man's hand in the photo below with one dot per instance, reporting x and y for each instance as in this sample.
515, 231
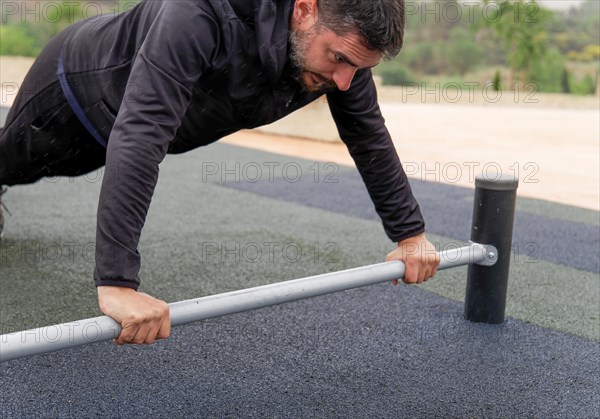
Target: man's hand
143, 318
419, 256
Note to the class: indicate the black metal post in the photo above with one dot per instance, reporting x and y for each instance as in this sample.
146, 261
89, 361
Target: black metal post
493, 217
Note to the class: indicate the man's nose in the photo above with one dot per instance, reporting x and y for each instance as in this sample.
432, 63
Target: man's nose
343, 77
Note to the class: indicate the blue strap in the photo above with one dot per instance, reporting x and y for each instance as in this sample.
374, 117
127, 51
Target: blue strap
75, 105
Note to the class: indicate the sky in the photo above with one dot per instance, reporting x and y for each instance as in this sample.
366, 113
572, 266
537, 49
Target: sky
553, 4
560, 4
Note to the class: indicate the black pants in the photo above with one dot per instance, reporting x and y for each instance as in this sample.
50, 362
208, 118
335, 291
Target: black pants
42, 137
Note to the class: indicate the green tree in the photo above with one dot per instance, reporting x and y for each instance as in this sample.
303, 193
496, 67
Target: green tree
590, 83
589, 13
565, 82
463, 53
586, 86
572, 30
27, 38
395, 73
17, 39
422, 58
497, 81
521, 25
58, 18
547, 73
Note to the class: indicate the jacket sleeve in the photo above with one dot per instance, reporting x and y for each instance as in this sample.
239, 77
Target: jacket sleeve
362, 128
177, 49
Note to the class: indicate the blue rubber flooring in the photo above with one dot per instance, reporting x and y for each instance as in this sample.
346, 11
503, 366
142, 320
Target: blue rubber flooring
569, 243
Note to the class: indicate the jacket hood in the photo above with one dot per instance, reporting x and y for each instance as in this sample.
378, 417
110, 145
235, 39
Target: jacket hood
271, 21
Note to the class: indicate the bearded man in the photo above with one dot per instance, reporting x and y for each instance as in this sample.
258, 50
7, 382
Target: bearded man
169, 76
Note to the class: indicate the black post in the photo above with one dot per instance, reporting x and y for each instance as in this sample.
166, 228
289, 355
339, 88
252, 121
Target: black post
493, 217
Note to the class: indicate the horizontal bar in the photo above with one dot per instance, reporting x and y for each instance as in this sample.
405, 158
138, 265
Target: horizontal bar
103, 328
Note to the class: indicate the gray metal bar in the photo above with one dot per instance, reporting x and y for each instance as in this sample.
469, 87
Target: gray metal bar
103, 328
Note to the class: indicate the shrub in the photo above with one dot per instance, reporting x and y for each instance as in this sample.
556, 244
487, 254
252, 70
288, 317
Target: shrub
565, 81
547, 74
497, 81
585, 86
462, 52
395, 73
17, 39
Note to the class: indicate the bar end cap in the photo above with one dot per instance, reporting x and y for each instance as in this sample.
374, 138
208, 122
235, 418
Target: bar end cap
497, 182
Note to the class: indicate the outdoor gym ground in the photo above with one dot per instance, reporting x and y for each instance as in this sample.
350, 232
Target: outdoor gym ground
379, 351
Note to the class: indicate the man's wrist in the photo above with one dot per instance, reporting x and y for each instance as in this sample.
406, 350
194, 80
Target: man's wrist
124, 283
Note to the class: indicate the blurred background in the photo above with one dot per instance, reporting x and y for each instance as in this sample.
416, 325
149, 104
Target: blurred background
554, 44
511, 43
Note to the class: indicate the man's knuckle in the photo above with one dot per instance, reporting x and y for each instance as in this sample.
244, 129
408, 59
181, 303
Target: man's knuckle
156, 313
129, 328
138, 339
134, 319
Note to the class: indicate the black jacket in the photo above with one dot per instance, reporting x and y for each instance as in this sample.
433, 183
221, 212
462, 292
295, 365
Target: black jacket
168, 76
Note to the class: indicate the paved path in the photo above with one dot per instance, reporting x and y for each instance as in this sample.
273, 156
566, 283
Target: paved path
379, 351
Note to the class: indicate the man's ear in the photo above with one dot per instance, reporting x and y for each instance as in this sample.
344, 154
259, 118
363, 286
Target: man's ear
305, 13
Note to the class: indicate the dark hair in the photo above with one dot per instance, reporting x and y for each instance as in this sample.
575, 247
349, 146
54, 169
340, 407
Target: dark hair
379, 22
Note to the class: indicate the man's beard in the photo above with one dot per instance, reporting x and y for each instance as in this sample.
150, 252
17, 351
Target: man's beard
299, 43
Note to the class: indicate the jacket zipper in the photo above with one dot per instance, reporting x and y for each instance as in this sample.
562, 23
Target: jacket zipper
289, 102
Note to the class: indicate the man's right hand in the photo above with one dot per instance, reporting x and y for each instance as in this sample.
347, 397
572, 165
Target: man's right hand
143, 318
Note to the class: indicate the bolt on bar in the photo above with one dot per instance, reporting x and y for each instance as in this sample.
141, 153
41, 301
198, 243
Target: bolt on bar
103, 328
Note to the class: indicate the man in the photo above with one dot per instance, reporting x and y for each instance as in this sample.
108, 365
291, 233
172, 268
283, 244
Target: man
172, 75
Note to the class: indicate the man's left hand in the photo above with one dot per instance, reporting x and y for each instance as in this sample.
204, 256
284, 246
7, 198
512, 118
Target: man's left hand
420, 258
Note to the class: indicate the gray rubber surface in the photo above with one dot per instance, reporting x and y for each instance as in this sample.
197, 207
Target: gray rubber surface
561, 241
380, 351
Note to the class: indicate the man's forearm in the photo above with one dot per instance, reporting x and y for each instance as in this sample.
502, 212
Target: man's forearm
362, 128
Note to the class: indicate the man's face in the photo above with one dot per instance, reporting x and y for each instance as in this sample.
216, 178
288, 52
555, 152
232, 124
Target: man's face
325, 61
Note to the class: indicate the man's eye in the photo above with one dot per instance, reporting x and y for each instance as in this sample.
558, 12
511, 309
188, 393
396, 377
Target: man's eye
339, 58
